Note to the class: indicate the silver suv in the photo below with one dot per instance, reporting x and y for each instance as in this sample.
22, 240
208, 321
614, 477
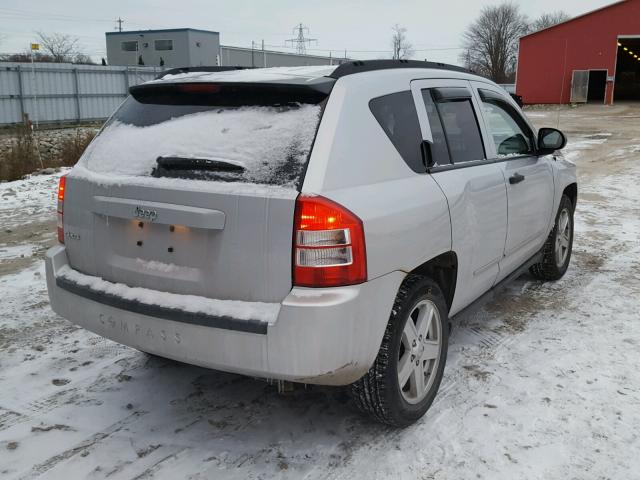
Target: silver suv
314, 225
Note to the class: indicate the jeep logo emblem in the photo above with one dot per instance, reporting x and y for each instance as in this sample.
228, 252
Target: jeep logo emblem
145, 213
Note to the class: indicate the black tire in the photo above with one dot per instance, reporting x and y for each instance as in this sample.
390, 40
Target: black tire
550, 268
378, 393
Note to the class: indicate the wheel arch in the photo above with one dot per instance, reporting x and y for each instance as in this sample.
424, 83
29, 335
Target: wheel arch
571, 191
443, 269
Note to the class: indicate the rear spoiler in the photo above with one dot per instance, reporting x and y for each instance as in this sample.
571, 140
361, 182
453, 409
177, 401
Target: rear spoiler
177, 71
234, 93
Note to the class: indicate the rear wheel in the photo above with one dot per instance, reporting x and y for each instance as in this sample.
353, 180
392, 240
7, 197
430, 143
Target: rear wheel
557, 249
404, 379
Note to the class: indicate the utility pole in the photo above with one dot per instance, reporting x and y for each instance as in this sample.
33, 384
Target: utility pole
301, 42
253, 62
34, 84
119, 21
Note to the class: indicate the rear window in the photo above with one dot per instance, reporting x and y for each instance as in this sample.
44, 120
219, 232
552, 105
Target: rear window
252, 144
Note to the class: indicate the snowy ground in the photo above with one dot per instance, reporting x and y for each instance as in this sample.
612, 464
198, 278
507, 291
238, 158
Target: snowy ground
542, 382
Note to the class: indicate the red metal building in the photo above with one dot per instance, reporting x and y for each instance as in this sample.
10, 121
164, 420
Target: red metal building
594, 57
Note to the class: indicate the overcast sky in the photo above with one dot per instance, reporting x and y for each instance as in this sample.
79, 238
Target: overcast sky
361, 27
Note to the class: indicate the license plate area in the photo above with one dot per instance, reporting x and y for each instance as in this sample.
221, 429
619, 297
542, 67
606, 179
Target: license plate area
172, 258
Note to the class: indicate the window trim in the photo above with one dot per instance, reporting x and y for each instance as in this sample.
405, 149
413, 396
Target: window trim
473, 163
448, 94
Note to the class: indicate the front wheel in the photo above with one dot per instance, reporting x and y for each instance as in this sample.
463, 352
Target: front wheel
405, 377
556, 252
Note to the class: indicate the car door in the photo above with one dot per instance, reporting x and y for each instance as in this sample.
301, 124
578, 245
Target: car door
528, 177
474, 187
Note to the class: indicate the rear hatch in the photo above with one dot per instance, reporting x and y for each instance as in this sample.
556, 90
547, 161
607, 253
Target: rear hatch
190, 188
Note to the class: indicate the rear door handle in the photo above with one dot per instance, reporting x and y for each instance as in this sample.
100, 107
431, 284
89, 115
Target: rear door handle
516, 178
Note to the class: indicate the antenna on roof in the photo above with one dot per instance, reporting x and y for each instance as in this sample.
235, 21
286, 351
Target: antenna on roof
301, 41
119, 21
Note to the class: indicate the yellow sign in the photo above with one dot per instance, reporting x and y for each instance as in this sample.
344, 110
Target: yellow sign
35, 46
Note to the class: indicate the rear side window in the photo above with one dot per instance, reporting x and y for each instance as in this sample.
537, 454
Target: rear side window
396, 114
461, 130
258, 144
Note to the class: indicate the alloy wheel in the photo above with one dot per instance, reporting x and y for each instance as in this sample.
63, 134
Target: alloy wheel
419, 353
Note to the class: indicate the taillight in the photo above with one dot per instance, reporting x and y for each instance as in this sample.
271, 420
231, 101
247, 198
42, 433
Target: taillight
61, 189
328, 244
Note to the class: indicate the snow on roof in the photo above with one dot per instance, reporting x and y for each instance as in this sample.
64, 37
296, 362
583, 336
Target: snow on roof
252, 75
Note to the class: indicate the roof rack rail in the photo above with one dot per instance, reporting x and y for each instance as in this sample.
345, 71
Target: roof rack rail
176, 71
360, 66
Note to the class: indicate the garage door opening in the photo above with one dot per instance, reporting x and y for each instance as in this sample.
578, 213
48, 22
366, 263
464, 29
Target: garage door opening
627, 86
597, 86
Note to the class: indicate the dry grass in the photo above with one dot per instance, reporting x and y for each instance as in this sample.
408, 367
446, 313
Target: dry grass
72, 148
22, 158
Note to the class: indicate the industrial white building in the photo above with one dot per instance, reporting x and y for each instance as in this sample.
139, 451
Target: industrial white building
189, 47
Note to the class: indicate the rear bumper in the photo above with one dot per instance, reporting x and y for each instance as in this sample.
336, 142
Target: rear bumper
327, 336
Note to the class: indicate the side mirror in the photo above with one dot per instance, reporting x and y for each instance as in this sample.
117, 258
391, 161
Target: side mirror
550, 140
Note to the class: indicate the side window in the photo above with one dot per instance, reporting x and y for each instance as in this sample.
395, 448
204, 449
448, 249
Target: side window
510, 134
396, 114
163, 44
129, 46
461, 130
439, 149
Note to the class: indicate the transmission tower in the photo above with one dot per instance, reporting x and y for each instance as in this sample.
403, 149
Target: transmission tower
300, 42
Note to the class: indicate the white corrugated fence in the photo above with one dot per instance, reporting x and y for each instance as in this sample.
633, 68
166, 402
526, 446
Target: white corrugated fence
62, 92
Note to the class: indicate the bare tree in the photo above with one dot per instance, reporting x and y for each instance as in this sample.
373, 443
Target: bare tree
547, 20
39, 57
491, 42
402, 49
61, 47
25, 57
83, 59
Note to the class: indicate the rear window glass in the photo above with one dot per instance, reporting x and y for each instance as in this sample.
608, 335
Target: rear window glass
396, 114
252, 144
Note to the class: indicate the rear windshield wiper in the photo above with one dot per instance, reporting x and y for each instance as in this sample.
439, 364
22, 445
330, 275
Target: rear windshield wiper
187, 163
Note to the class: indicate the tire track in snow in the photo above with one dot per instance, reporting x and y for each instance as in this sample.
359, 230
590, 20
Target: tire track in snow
152, 470
9, 418
86, 445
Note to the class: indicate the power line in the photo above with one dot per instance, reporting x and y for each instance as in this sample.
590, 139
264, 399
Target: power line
30, 15
435, 49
